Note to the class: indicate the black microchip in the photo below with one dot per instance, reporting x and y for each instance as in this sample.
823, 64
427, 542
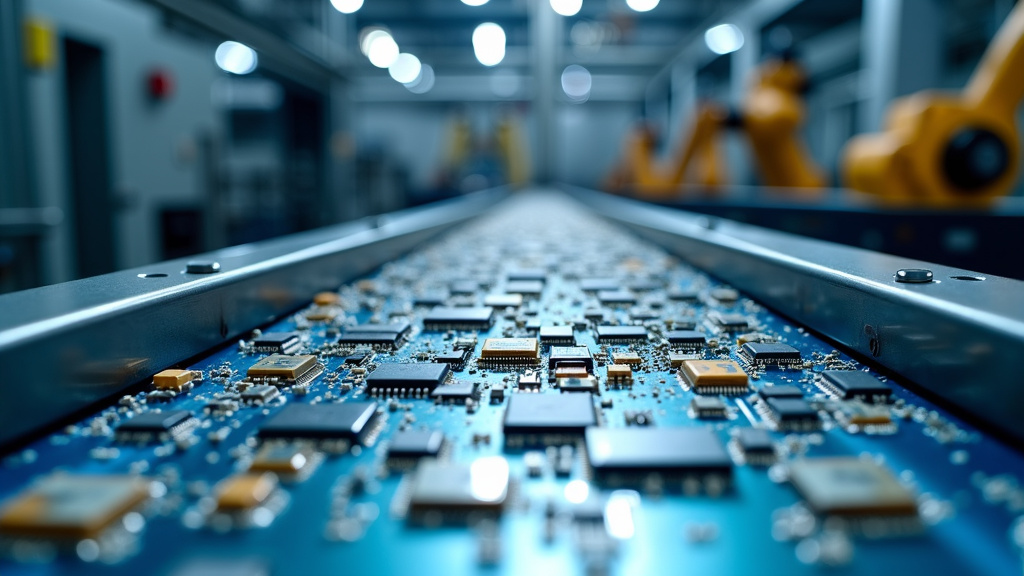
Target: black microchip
855, 384
464, 287
398, 328
557, 335
594, 314
277, 342
533, 324
755, 441
415, 444
155, 422
689, 338
642, 314
432, 299
599, 284
525, 287
780, 391
560, 354
730, 322
344, 421
792, 410
610, 333
629, 455
455, 358
260, 393
547, 419
770, 353
683, 294
616, 297
528, 274
427, 375
708, 407
376, 339
457, 392
469, 318
355, 359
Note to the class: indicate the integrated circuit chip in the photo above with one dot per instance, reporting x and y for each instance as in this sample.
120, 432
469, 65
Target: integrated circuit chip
458, 493
455, 358
376, 340
780, 391
503, 300
277, 343
557, 335
340, 424
730, 322
458, 392
634, 457
607, 333
599, 284
688, 339
770, 353
793, 414
408, 447
283, 369
851, 487
156, 426
259, 394
525, 287
570, 355
527, 275
446, 318
72, 507
756, 446
533, 420
406, 379
501, 351
614, 297
714, 376
707, 407
847, 384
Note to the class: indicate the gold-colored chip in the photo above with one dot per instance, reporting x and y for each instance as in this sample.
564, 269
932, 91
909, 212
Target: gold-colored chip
282, 366
245, 491
326, 299
173, 379
714, 375
507, 348
282, 459
620, 372
626, 358
571, 372
72, 506
851, 487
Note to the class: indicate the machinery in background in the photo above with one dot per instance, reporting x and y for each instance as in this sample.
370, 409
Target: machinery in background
949, 148
771, 117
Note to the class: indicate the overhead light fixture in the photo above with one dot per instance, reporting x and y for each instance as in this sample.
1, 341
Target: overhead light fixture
489, 43
642, 5
405, 69
235, 57
567, 7
724, 38
347, 6
424, 82
474, 2
368, 35
382, 50
576, 83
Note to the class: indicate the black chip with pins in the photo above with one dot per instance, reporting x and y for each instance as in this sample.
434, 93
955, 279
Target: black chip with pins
277, 342
780, 391
557, 335
755, 441
792, 410
686, 338
155, 422
848, 384
547, 419
629, 457
458, 392
415, 444
455, 358
444, 318
770, 353
565, 354
607, 333
427, 375
350, 421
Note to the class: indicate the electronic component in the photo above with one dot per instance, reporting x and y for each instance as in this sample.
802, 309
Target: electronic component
277, 343
620, 374
557, 335
156, 426
408, 447
607, 333
614, 297
675, 457
259, 394
430, 299
72, 506
792, 414
585, 383
847, 384
780, 391
444, 318
376, 340
599, 284
645, 285
851, 487
725, 294
527, 275
457, 493
464, 287
730, 322
458, 392
335, 426
714, 376
571, 370
639, 417
570, 354
857, 416
629, 358
770, 353
400, 327
503, 300
321, 314
510, 351
497, 393
525, 287
291, 462
547, 420
406, 379
174, 380
676, 359
245, 492
684, 294
326, 299
286, 370
456, 358
687, 339
528, 380
707, 407
756, 446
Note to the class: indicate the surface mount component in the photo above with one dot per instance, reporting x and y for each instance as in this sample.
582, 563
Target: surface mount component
544, 420
849, 384
350, 422
714, 376
631, 457
406, 379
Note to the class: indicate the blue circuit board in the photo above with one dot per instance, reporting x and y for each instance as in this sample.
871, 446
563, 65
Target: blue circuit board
926, 492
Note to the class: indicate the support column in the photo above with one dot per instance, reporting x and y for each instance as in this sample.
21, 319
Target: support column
545, 41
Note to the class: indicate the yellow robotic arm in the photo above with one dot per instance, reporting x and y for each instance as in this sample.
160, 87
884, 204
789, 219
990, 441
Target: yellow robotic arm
947, 148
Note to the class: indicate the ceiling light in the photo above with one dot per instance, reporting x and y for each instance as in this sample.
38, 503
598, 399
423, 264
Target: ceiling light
576, 83
347, 6
642, 5
489, 43
724, 38
405, 68
382, 50
236, 58
423, 83
474, 2
567, 7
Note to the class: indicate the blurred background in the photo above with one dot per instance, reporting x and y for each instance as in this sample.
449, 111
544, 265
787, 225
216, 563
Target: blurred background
134, 131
